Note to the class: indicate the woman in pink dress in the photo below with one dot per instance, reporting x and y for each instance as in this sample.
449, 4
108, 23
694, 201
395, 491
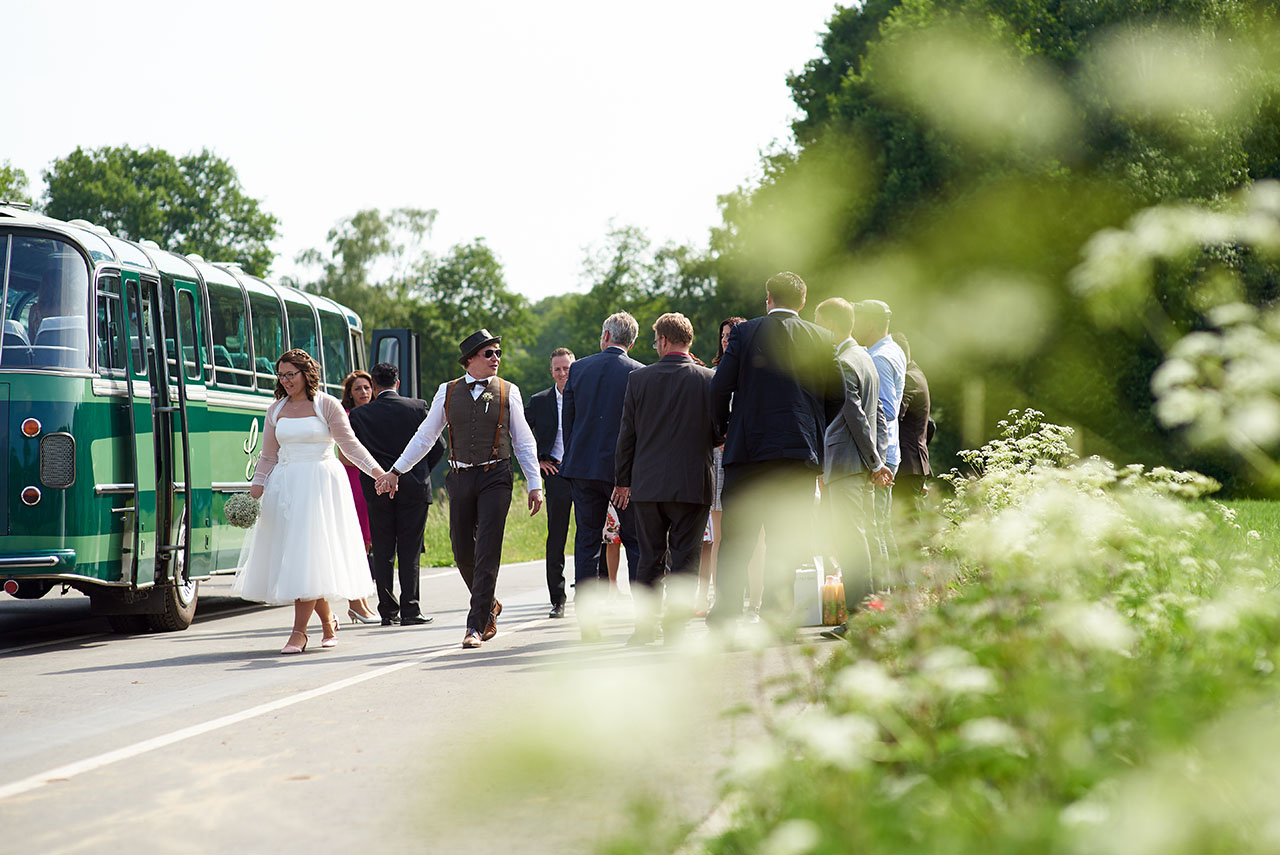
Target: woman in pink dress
357, 390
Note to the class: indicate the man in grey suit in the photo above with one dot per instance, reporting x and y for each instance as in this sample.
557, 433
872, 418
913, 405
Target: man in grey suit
663, 470
854, 449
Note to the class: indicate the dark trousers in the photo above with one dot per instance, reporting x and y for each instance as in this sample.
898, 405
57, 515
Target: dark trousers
559, 496
478, 506
396, 528
775, 494
590, 509
674, 526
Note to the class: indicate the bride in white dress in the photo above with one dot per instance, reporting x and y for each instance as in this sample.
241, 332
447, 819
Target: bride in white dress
306, 548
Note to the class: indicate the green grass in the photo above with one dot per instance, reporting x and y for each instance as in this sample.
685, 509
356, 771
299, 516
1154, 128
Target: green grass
525, 538
1260, 515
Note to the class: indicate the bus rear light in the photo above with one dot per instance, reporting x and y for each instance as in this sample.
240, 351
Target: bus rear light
30, 495
31, 428
11, 586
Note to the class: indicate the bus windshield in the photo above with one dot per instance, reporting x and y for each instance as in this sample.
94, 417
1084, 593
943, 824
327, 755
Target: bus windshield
46, 304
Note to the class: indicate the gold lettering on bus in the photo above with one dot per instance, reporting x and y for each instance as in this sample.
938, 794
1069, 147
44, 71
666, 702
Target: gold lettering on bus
249, 446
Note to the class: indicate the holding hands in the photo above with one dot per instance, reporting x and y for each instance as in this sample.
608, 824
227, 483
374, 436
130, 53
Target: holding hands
882, 477
387, 482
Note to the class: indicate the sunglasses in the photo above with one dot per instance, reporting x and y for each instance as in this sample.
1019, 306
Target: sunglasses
491, 352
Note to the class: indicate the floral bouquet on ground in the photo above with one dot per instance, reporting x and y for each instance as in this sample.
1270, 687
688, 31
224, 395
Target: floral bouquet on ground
241, 510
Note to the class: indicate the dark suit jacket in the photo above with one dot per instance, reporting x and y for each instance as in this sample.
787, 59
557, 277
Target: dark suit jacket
913, 423
592, 413
384, 426
667, 433
781, 375
543, 419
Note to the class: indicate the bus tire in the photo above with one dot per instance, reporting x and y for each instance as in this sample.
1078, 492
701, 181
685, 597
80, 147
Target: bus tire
179, 594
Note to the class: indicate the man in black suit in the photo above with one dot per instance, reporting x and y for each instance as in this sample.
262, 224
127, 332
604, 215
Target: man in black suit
591, 417
543, 415
780, 374
384, 426
664, 472
915, 429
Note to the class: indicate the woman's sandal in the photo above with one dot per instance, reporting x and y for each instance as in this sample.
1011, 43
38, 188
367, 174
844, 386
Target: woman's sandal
330, 640
294, 648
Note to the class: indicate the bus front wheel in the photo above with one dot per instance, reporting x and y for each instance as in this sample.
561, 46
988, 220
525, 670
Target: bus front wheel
179, 594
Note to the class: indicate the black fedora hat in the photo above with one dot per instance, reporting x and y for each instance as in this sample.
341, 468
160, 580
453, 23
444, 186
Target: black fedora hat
472, 344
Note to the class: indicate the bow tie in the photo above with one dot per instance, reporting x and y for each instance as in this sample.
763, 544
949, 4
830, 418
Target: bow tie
474, 383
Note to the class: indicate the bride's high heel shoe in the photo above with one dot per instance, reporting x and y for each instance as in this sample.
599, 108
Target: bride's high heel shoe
356, 617
295, 648
331, 640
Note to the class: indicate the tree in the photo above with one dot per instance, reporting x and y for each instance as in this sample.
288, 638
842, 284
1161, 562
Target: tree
194, 203
13, 184
953, 157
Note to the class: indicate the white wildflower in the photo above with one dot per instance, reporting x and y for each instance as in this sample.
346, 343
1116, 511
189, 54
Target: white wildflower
793, 837
990, 732
840, 741
868, 683
756, 761
1093, 626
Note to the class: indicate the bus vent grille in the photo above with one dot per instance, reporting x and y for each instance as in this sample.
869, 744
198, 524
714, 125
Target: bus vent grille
58, 460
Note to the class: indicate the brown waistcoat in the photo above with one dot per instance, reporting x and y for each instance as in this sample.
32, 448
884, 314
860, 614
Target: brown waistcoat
479, 430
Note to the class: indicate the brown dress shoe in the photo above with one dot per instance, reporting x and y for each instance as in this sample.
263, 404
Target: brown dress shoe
472, 640
497, 607
491, 629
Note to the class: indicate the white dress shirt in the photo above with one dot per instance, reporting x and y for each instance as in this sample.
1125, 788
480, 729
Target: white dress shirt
557, 447
522, 441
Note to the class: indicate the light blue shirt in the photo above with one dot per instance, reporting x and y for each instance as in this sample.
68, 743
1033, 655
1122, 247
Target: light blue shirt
891, 366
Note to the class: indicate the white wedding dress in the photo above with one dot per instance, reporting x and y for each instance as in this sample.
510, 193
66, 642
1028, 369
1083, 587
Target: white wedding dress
307, 542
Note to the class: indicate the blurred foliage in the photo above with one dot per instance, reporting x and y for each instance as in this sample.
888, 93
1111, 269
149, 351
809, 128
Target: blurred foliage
186, 204
953, 158
13, 184
1083, 660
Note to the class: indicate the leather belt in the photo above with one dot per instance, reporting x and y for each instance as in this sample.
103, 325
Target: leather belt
456, 465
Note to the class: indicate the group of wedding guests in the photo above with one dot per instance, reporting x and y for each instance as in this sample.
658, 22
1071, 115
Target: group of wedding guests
681, 456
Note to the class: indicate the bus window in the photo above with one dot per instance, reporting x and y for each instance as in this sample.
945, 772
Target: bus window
230, 344
357, 350
111, 361
46, 307
337, 366
172, 338
268, 337
302, 329
192, 352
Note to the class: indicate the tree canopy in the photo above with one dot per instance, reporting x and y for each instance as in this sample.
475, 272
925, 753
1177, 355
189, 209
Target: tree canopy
13, 184
193, 203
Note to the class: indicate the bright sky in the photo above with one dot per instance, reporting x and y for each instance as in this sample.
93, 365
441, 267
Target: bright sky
529, 124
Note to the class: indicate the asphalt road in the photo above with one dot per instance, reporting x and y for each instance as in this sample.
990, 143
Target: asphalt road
398, 740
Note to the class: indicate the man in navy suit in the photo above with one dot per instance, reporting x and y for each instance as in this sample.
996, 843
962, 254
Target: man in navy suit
591, 415
781, 376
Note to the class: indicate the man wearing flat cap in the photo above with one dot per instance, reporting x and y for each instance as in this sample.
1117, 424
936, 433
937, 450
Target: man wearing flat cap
484, 417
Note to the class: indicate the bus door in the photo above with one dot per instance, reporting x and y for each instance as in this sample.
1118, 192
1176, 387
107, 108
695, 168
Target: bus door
150, 461
400, 348
185, 352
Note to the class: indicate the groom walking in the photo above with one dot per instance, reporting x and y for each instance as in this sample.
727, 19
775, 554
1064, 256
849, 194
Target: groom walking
485, 419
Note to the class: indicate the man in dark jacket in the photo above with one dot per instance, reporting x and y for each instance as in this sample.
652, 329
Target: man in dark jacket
664, 472
543, 415
915, 429
780, 374
591, 416
384, 426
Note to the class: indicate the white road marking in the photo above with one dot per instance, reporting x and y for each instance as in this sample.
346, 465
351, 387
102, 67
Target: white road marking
70, 770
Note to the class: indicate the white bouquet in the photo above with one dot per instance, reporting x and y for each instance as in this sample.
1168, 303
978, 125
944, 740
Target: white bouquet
241, 510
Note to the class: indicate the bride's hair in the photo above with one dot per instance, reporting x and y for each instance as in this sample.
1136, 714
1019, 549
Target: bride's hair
310, 369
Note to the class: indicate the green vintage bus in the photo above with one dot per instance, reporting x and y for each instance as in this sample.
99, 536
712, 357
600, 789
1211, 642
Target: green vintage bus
133, 383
